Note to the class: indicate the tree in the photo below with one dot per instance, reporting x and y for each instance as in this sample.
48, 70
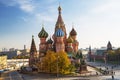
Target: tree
111, 55
55, 63
111, 52
63, 62
117, 51
47, 63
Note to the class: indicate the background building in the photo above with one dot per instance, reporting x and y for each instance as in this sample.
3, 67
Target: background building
3, 61
103, 54
12, 52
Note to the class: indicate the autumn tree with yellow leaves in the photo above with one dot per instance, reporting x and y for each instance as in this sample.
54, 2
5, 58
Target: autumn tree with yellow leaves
55, 63
63, 62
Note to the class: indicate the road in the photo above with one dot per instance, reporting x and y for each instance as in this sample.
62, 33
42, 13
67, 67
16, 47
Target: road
12, 75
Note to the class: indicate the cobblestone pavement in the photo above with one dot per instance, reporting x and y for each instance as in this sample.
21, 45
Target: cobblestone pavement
111, 67
86, 76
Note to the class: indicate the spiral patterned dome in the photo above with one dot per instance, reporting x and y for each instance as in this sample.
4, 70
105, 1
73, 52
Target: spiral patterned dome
73, 32
59, 33
43, 34
49, 41
69, 40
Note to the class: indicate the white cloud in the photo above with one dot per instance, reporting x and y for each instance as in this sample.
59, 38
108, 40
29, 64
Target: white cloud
36, 10
109, 6
25, 5
100, 24
44, 17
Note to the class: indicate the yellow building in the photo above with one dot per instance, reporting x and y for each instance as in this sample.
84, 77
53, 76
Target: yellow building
3, 61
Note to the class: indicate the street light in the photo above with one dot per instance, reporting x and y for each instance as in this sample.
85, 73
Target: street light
113, 74
57, 66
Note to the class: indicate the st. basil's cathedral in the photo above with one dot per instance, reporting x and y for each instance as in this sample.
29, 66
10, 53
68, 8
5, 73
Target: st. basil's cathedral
58, 42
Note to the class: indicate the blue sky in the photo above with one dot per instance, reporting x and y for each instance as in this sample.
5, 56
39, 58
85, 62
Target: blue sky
96, 21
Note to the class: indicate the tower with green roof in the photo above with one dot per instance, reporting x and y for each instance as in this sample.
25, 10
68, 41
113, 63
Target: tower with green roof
42, 46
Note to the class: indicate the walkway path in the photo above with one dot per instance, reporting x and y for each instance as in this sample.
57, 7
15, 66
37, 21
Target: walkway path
111, 67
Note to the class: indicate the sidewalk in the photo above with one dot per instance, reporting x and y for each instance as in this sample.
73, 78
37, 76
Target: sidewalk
5, 75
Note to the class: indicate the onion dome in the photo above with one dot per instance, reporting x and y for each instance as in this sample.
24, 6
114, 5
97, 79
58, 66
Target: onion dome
69, 40
59, 33
43, 33
73, 32
49, 41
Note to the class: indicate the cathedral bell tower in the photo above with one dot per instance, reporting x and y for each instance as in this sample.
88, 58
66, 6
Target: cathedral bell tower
60, 24
43, 44
59, 45
75, 44
33, 53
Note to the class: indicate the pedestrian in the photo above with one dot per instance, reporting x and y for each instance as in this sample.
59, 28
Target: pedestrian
96, 73
112, 77
0, 74
107, 68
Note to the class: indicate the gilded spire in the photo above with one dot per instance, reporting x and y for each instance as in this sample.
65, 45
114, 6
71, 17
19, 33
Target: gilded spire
32, 36
60, 23
59, 10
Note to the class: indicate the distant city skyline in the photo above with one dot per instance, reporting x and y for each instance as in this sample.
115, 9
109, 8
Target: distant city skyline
96, 22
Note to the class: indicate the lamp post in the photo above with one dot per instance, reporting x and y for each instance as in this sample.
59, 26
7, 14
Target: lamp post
113, 73
57, 66
23, 59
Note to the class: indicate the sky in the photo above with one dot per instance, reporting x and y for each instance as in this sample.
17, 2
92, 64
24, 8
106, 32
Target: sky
95, 21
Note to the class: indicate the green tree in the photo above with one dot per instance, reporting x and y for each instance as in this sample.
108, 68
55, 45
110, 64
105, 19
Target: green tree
111, 52
117, 51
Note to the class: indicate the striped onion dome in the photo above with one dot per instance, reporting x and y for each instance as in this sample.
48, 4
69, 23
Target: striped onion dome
49, 41
69, 40
59, 33
43, 33
73, 32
